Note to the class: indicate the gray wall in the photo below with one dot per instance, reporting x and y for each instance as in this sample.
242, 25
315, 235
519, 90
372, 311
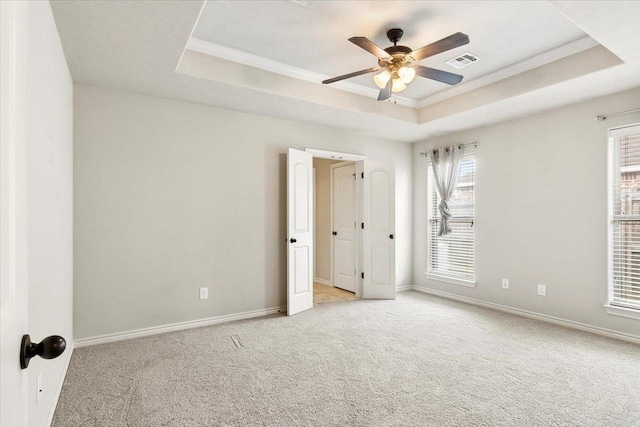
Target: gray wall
49, 135
171, 196
541, 211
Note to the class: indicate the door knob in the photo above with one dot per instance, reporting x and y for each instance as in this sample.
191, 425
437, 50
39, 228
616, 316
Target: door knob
335, 233
292, 240
49, 348
391, 236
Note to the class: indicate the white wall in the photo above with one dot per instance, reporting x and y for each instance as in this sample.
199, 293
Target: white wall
171, 196
541, 211
49, 135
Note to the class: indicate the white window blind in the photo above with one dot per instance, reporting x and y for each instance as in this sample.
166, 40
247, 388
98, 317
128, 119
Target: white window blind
624, 216
453, 255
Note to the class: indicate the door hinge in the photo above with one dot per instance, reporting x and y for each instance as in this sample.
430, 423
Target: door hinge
363, 274
362, 175
363, 225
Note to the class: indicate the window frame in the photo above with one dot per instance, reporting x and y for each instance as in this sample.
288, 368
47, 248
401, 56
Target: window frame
614, 172
437, 276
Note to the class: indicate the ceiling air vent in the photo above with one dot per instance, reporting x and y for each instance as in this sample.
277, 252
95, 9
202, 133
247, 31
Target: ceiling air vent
462, 60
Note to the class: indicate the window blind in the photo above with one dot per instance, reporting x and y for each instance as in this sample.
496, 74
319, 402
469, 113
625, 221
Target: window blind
453, 255
624, 216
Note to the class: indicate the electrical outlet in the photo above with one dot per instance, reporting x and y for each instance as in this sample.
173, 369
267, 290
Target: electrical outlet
542, 290
204, 293
38, 387
505, 283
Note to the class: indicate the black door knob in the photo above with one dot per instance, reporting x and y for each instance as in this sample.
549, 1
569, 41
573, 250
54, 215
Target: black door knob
391, 236
335, 233
49, 348
292, 240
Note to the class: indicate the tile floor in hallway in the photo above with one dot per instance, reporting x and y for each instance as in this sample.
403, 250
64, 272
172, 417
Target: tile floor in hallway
323, 294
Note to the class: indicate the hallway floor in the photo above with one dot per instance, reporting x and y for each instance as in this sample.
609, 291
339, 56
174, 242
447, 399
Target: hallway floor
324, 293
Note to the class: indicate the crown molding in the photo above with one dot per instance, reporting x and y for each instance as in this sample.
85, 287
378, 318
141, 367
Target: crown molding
251, 60
526, 65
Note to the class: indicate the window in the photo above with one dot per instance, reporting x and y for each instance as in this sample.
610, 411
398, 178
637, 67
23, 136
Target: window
624, 218
453, 256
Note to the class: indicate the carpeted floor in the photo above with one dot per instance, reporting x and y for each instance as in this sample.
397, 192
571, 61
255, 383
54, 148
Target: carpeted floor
416, 361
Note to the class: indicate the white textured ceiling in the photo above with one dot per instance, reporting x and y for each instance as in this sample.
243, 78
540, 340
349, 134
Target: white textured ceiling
315, 37
137, 46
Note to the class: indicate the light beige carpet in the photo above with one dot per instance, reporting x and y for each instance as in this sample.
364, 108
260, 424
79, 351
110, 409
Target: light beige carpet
415, 361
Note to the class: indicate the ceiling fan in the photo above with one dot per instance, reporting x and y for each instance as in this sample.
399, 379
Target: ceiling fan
397, 62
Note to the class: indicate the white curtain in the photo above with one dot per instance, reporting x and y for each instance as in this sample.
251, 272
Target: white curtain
445, 162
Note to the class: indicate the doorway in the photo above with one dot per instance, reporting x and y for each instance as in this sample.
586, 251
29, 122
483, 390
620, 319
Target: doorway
373, 234
335, 230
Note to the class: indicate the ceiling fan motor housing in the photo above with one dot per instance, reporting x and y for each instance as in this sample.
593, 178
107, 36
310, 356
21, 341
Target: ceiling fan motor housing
398, 50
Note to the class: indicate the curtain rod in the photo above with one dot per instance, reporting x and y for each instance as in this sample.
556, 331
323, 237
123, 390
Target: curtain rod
474, 143
603, 117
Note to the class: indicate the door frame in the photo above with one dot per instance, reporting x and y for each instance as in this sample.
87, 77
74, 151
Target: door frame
357, 237
358, 160
335, 155
13, 209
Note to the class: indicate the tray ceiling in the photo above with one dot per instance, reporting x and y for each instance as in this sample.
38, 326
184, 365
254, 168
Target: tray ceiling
314, 38
267, 58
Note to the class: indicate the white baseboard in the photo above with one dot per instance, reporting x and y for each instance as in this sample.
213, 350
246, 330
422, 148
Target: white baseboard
532, 315
58, 390
155, 330
404, 288
323, 281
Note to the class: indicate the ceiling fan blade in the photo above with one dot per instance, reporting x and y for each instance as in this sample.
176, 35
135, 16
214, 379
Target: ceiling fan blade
447, 43
439, 75
369, 46
386, 92
348, 76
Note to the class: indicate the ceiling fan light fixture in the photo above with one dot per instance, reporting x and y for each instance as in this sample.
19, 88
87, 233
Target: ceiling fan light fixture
398, 85
396, 64
407, 74
382, 79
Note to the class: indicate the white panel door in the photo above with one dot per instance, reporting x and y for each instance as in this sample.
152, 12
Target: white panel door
378, 240
13, 213
344, 227
299, 231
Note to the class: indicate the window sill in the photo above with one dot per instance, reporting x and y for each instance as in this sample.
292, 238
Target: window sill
622, 311
451, 280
